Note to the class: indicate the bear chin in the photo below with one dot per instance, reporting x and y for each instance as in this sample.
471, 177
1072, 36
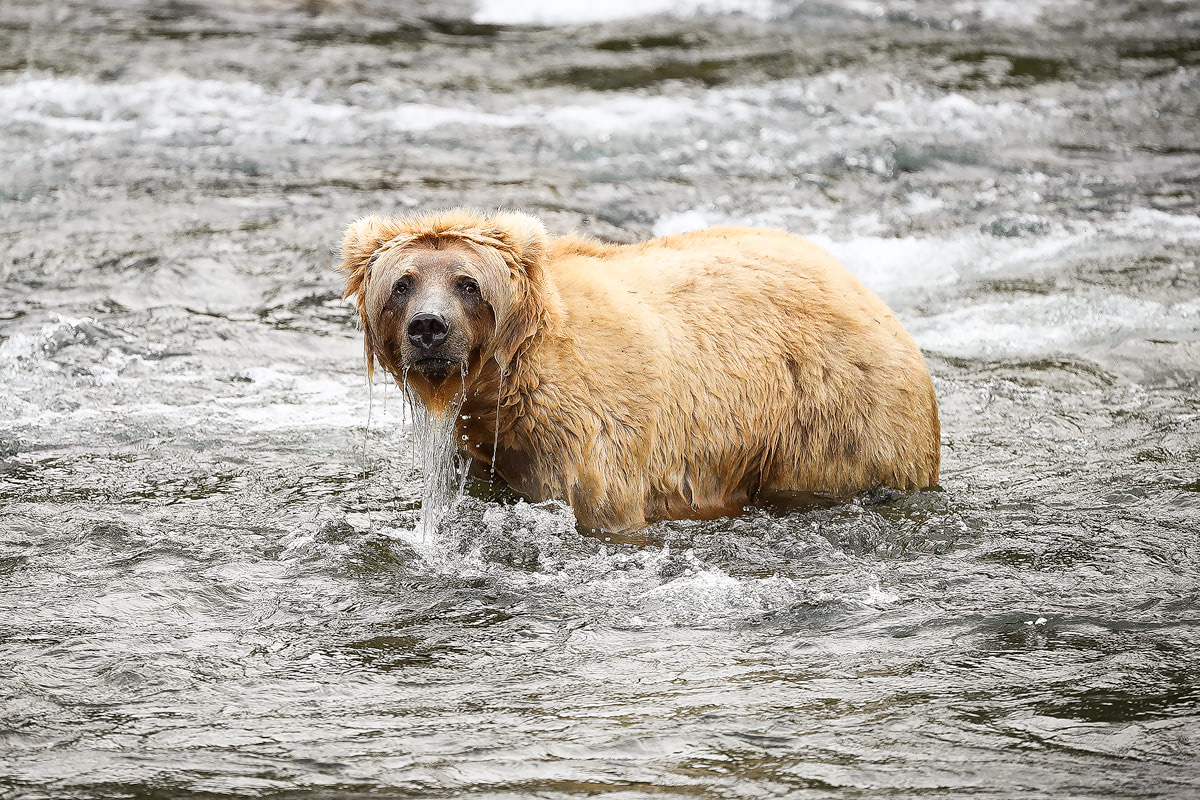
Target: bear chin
435, 370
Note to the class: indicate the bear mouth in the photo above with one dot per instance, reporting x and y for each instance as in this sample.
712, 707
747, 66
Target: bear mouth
434, 369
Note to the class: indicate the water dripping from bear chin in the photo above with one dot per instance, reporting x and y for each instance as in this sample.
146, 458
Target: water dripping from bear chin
445, 471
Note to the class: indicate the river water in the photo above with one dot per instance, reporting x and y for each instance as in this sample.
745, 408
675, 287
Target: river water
212, 579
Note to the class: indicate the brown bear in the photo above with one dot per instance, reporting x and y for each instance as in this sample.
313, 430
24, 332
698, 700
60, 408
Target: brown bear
682, 377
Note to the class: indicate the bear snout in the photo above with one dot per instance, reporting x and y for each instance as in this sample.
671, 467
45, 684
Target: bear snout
428, 331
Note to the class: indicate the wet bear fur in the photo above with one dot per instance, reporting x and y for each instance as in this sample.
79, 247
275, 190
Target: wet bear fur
682, 377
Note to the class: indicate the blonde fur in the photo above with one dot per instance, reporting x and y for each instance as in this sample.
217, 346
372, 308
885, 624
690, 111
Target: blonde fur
681, 377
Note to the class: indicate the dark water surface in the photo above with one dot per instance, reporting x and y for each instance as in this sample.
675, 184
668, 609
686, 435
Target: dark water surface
211, 584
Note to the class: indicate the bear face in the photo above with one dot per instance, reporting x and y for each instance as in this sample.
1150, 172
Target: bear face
428, 313
439, 296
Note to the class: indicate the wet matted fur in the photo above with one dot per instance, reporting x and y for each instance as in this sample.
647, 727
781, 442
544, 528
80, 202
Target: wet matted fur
682, 377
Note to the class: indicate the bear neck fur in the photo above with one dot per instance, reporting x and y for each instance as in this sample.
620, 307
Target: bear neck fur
501, 421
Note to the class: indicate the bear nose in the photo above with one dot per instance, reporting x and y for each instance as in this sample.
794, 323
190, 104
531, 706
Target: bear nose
428, 330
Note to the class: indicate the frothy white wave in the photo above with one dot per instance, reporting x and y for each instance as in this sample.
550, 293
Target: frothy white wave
284, 400
577, 12
682, 222
228, 111
790, 117
221, 110
1036, 326
890, 266
643, 588
581, 12
275, 397
901, 269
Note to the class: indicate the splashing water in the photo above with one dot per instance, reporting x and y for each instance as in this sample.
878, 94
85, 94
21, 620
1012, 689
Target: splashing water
444, 470
496, 432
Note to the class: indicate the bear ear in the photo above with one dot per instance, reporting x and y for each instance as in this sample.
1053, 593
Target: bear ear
526, 238
360, 241
522, 323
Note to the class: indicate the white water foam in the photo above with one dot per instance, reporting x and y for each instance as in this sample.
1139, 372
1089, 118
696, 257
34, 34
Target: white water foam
1037, 326
579, 12
793, 117
889, 266
894, 265
282, 400
1005, 12
226, 111
275, 396
903, 270
629, 588
682, 222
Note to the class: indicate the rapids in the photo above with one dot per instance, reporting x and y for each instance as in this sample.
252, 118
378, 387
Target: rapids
215, 581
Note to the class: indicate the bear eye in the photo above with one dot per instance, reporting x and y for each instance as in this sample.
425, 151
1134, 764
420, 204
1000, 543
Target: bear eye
468, 287
402, 286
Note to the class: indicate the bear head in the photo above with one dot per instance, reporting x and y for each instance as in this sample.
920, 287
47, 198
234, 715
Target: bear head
442, 294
